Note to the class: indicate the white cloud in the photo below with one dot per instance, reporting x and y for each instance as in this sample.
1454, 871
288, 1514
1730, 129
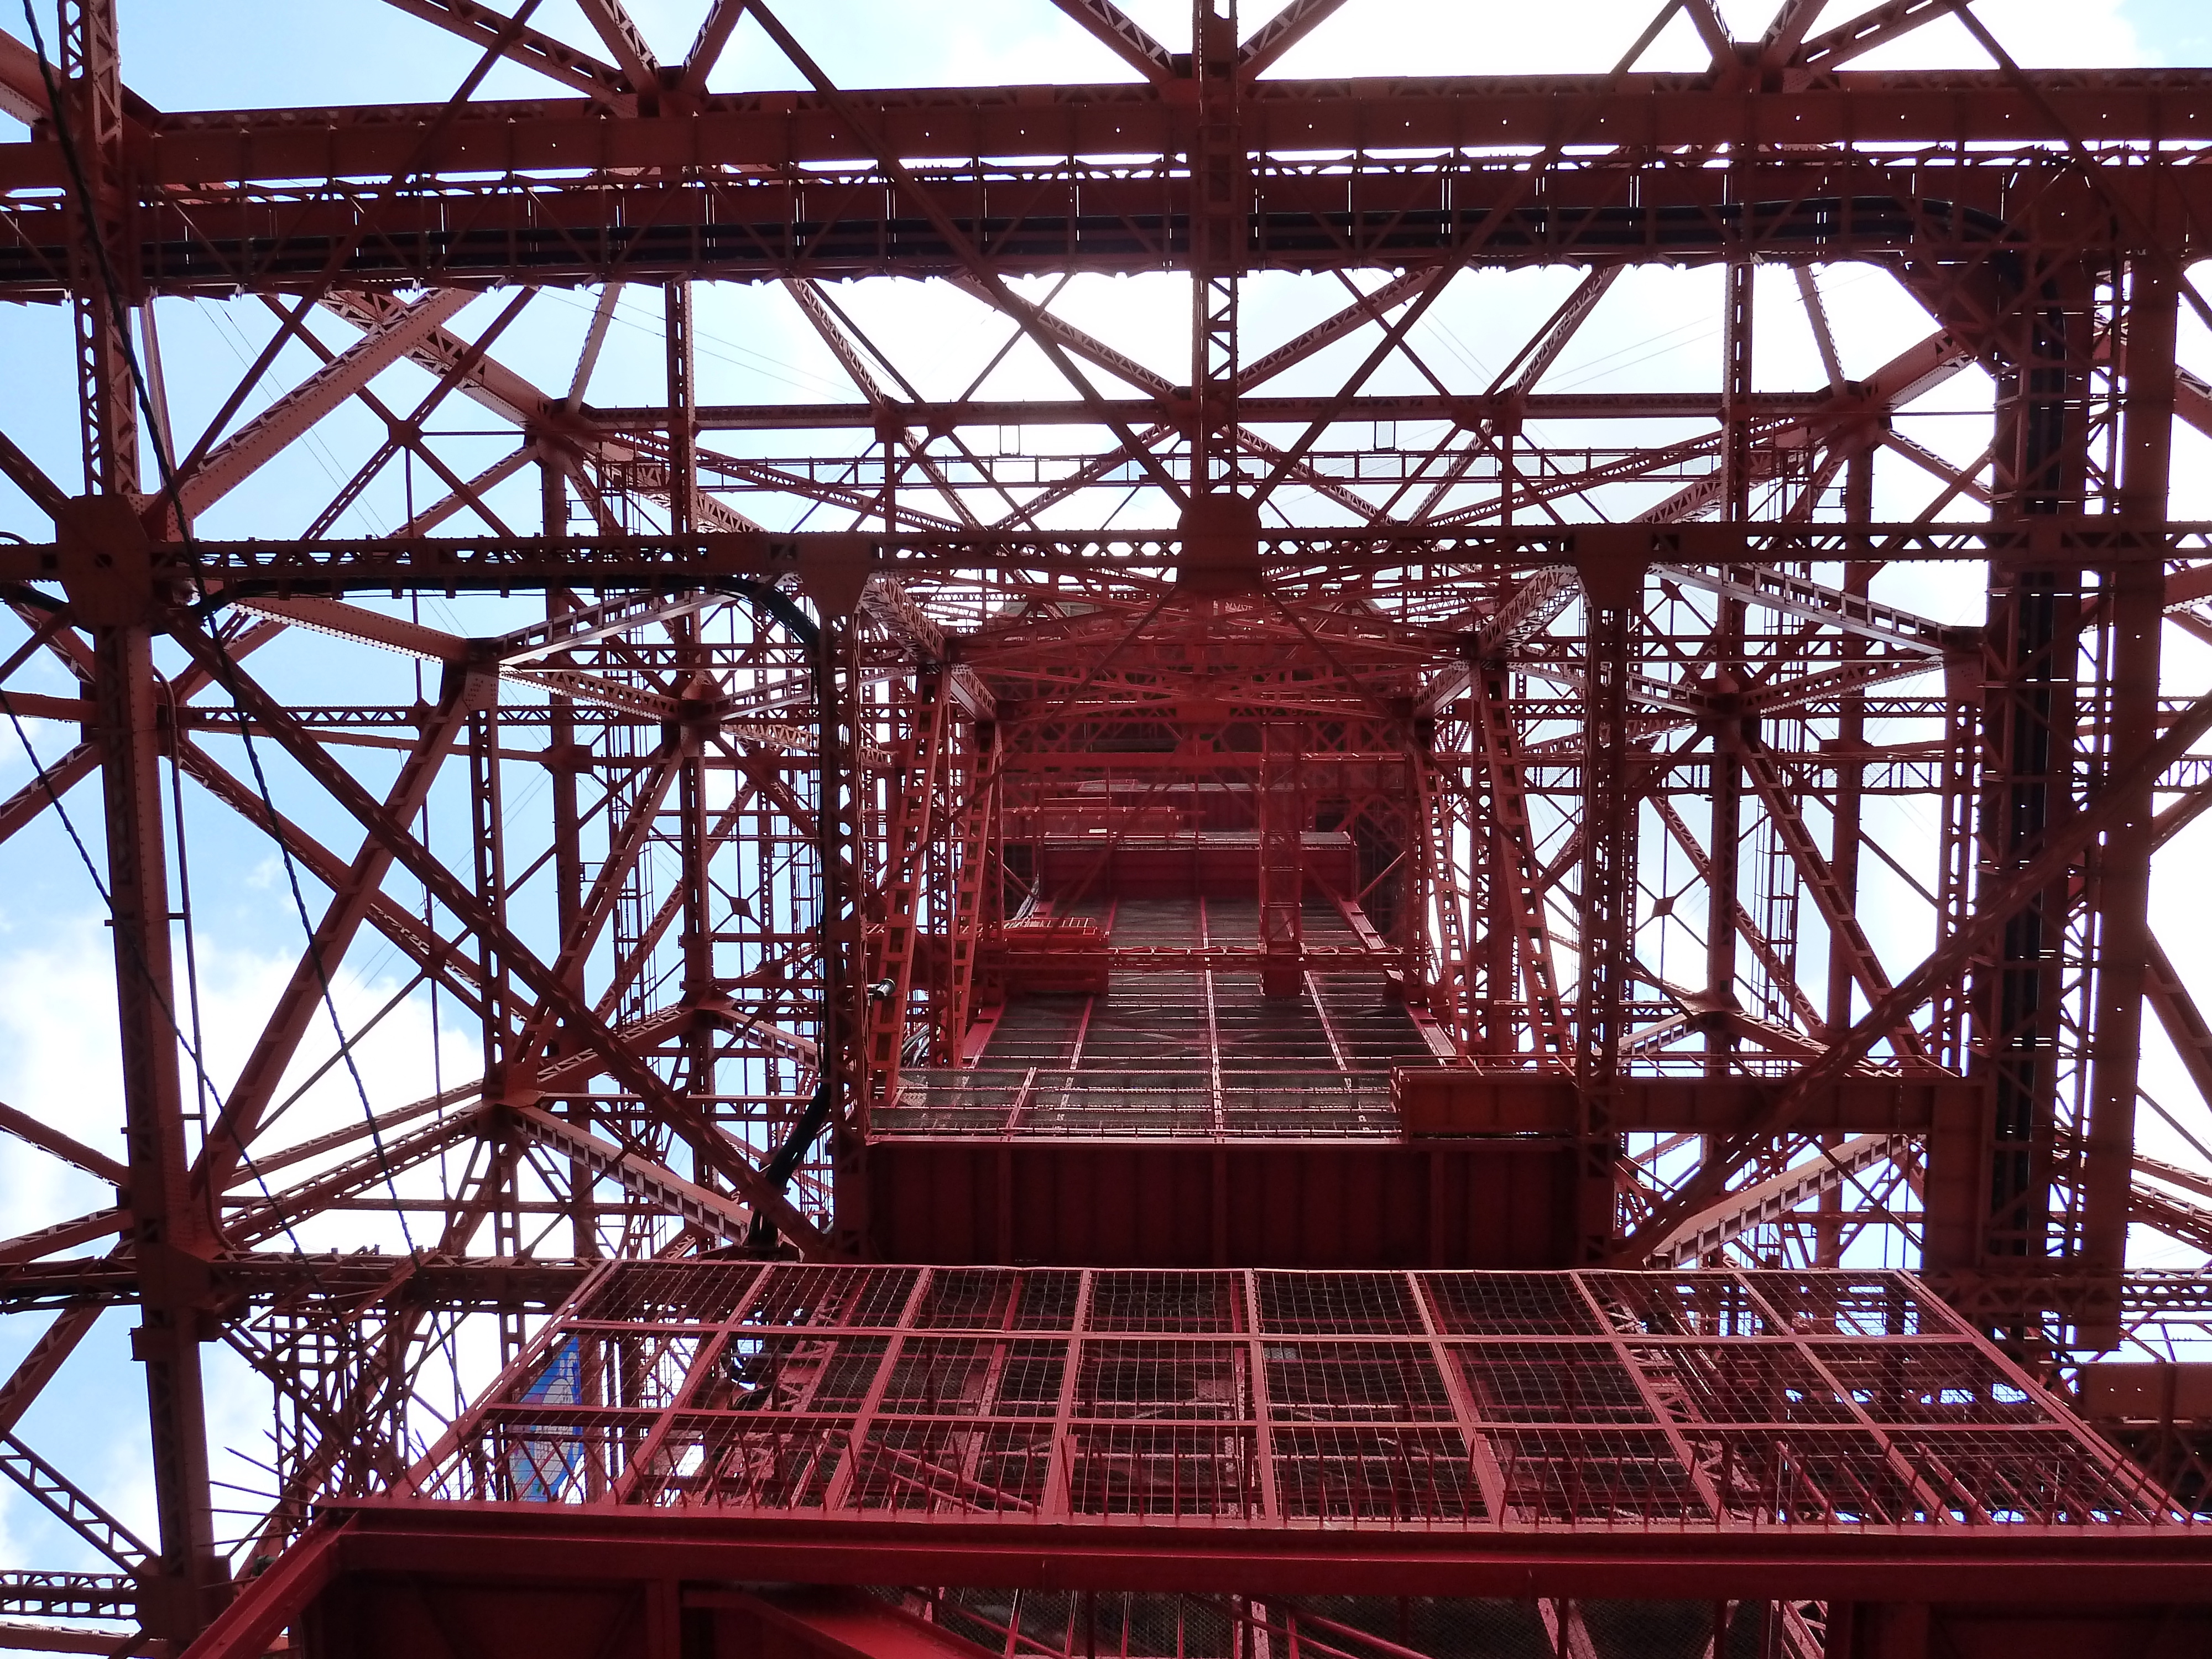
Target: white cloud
57, 1061
2036, 34
1371, 37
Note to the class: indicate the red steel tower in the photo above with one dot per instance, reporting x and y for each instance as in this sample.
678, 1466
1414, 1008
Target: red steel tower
1178, 1001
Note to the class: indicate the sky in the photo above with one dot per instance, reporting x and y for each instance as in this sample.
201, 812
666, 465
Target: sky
1659, 329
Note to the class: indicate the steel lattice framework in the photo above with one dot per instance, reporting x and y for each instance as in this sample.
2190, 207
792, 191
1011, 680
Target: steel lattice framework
1159, 836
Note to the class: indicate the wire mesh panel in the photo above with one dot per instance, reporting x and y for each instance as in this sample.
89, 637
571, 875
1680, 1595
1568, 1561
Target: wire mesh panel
2044, 1477
1900, 1382
849, 1297
1509, 1304
1123, 1378
1680, 1305
1563, 1383
1531, 1402
1353, 1304
1197, 1473
1194, 1301
1138, 1098
1396, 1382
795, 1373
1585, 1477
744, 1462
1407, 1476
1806, 1478
641, 1292
1852, 1304
1731, 1382
988, 1299
941, 1376
956, 1467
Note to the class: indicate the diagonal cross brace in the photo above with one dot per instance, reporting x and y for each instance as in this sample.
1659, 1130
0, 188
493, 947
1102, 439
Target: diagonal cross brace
709, 1212
602, 83
1280, 33
580, 1023
231, 462
306, 994
434, 956
1940, 968
1829, 895
36, 1369
1125, 37
1770, 1200
80, 1513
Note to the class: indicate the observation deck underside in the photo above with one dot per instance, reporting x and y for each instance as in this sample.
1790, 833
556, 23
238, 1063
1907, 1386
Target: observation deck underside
1395, 1463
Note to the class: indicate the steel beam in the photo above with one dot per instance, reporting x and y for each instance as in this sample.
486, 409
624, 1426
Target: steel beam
2121, 866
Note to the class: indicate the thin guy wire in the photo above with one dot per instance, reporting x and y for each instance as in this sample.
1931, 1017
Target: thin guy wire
119, 322
84, 854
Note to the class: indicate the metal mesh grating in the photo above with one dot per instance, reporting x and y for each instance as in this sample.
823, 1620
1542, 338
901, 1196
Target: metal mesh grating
1508, 1304
1527, 1402
1351, 1303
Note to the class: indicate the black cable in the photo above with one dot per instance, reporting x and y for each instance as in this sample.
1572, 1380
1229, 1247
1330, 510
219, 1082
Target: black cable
120, 320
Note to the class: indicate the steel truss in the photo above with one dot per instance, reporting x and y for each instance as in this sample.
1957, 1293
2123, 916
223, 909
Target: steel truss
1162, 824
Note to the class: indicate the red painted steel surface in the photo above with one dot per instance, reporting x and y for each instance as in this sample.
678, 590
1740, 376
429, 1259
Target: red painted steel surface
1509, 1403
1340, 800
1312, 1202
1299, 1440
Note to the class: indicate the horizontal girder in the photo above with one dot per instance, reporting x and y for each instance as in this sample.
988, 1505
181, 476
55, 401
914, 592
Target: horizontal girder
1344, 175
1145, 558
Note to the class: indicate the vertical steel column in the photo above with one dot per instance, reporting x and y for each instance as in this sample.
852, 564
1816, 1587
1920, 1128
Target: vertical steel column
913, 826
1737, 301
695, 839
565, 761
1517, 919
696, 694
1851, 752
1612, 593
2028, 777
1437, 895
2120, 866
1282, 858
171, 1238
510, 1066
1497, 910
840, 1060
2028, 749
93, 100
1724, 860
1951, 1007
1410, 926
1219, 213
683, 411
1723, 877
1849, 824
973, 895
